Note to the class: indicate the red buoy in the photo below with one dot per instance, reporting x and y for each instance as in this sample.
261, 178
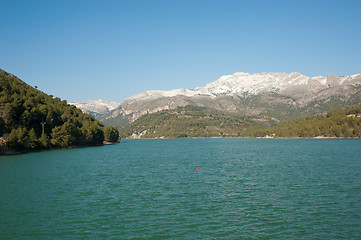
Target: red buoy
197, 168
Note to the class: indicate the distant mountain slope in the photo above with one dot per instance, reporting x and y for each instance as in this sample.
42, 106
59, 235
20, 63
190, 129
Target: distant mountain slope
31, 120
190, 121
96, 107
335, 124
276, 96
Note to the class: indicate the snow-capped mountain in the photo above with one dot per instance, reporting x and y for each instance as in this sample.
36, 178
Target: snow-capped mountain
240, 83
277, 95
97, 107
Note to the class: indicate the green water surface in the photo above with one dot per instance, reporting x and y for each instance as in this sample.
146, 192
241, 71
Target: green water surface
151, 189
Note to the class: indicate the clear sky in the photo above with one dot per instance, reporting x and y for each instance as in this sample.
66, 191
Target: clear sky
82, 50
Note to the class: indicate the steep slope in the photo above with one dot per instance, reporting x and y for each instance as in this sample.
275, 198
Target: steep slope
277, 96
31, 120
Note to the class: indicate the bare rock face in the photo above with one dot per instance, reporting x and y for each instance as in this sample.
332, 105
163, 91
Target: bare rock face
332, 80
355, 79
315, 86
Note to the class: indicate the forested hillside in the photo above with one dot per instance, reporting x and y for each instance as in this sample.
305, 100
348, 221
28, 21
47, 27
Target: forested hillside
334, 124
31, 119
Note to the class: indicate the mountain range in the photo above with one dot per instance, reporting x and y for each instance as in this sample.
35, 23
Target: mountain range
266, 96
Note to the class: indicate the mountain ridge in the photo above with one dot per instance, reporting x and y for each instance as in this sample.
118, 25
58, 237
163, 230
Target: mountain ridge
241, 82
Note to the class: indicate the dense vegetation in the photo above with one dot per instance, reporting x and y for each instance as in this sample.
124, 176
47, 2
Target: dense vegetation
339, 124
189, 121
31, 119
111, 134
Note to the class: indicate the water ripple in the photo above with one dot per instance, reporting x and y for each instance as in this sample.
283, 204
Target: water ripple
151, 189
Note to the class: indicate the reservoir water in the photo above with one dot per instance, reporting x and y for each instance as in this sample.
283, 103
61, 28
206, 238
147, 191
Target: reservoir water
185, 189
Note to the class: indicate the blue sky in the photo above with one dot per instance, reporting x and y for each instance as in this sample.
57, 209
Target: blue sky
80, 50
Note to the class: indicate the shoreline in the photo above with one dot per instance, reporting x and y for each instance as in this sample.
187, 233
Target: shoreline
10, 152
318, 137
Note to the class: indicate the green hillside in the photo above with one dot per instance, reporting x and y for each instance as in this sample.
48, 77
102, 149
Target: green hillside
338, 124
32, 120
190, 121
119, 121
